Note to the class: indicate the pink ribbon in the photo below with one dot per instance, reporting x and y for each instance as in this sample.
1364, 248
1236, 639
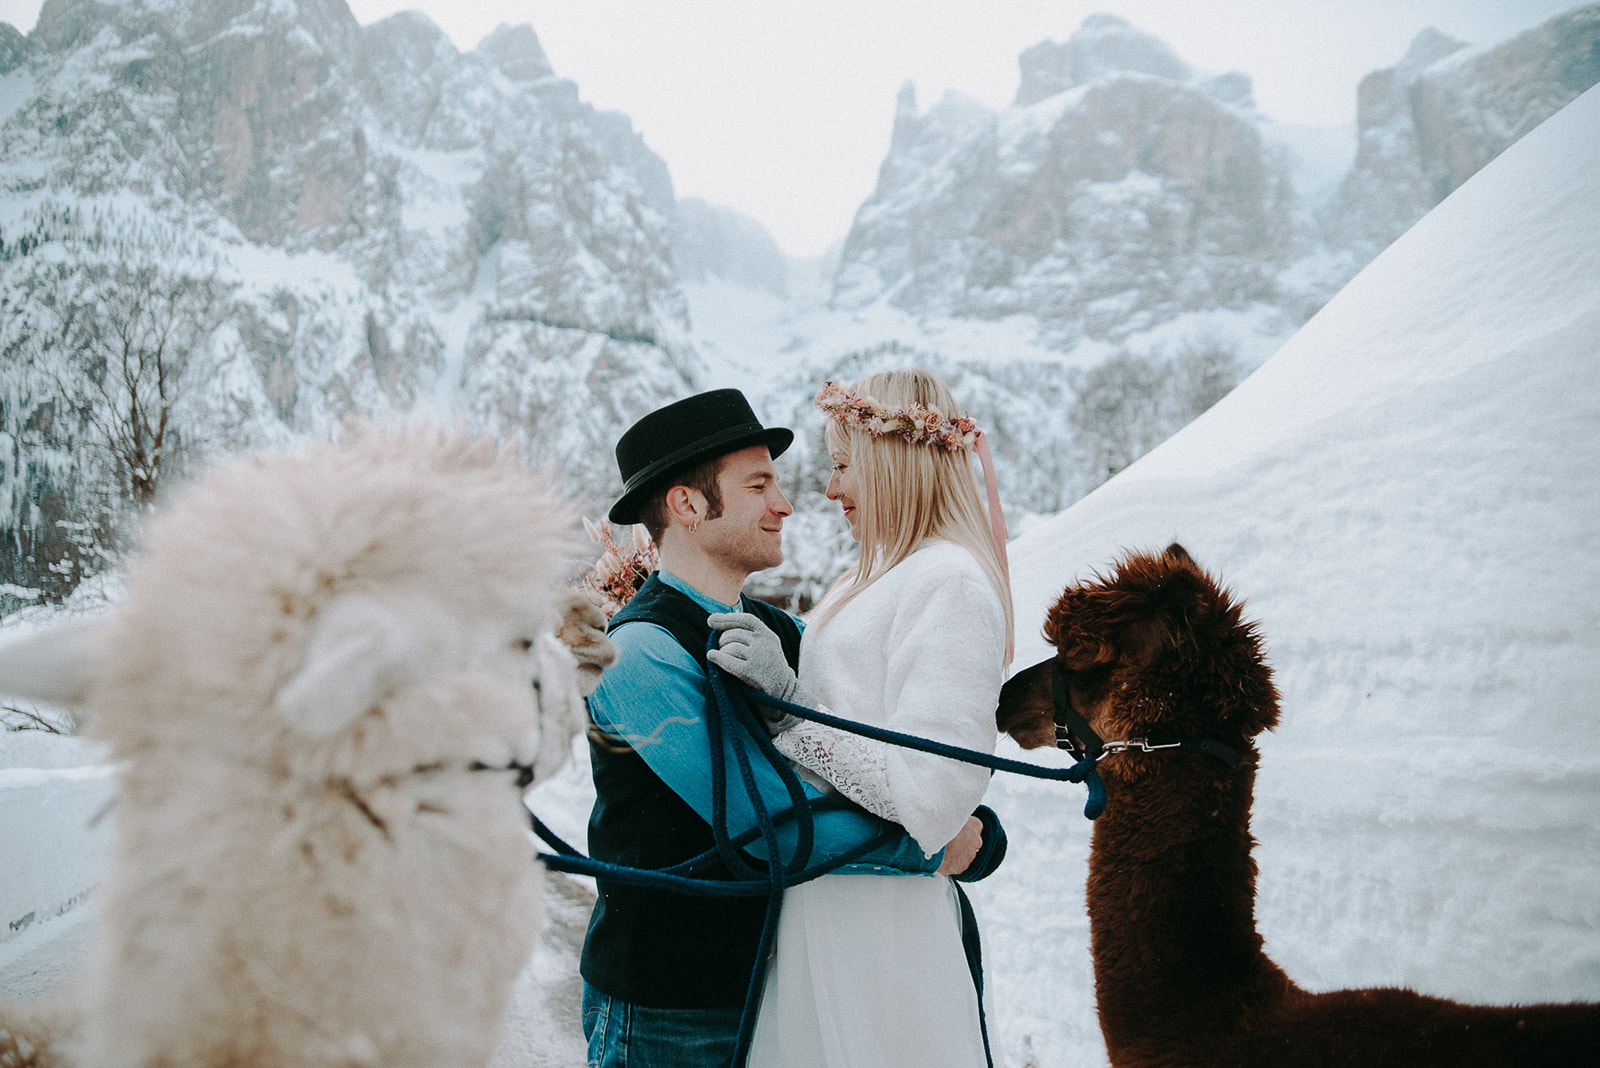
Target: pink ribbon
997, 518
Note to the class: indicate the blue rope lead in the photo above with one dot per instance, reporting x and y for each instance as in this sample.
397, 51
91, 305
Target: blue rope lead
680, 878
1084, 771
725, 723
778, 874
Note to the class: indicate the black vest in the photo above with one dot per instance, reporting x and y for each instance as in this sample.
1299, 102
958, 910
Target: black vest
656, 947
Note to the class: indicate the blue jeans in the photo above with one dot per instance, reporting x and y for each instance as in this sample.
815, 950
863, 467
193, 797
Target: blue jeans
624, 1035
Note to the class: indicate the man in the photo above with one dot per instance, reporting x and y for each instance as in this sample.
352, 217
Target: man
666, 974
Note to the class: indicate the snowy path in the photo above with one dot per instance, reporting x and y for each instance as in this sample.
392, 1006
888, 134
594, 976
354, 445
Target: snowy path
40, 962
544, 1028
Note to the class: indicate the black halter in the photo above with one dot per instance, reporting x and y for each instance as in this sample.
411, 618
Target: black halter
1074, 734
524, 771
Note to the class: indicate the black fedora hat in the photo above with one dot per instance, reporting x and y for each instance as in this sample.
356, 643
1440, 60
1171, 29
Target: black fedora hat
683, 434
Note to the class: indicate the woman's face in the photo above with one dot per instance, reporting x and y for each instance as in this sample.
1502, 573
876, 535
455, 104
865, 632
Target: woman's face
842, 488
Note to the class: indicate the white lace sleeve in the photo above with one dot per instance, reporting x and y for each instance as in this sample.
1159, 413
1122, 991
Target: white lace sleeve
857, 767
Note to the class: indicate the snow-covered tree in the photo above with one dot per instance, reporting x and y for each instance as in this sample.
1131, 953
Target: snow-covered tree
104, 332
1128, 404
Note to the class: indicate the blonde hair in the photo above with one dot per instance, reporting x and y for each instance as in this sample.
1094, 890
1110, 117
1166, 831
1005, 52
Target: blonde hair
909, 491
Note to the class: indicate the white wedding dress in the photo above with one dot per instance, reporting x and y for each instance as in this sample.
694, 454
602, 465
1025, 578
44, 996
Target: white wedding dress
868, 970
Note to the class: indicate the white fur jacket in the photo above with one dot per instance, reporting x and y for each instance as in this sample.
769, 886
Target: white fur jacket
921, 650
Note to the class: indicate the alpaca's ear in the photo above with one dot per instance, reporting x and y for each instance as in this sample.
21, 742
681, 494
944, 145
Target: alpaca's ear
1027, 707
358, 651
1147, 637
56, 666
1157, 622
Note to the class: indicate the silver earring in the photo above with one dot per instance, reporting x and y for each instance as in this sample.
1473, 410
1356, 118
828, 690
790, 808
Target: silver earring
694, 526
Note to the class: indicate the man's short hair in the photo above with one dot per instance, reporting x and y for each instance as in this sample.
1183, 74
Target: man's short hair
703, 477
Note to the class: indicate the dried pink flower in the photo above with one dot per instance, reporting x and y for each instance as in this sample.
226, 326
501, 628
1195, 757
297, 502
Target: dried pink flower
612, 580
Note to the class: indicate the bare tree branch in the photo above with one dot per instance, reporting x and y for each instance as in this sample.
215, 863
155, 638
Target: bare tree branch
31, 720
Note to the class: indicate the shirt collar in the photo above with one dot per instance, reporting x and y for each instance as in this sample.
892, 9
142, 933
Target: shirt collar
710, 604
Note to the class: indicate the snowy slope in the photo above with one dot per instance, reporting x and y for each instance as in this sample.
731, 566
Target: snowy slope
1408, 498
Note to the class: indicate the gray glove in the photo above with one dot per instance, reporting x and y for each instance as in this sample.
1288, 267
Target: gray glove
750, 652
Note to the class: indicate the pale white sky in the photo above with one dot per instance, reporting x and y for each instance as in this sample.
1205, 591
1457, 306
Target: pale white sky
782, 108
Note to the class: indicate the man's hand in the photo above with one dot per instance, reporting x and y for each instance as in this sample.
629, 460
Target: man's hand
581, 627
750, 652
963, 848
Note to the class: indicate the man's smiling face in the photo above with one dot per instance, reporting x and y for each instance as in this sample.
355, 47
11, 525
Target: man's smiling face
748, 534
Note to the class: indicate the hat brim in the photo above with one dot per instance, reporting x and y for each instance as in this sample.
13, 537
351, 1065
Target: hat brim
777, 439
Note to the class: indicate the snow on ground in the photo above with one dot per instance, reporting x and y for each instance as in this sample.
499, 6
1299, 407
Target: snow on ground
52, 837
55, 790
1406, 496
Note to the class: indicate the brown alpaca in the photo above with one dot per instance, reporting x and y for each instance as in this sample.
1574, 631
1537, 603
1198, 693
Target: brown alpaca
1158, 652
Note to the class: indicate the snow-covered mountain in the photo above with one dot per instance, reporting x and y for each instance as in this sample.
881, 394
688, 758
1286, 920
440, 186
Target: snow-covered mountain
305, 218
381, 223
1100, 260
1431, 122
1123, 189
717, 242
1120, 190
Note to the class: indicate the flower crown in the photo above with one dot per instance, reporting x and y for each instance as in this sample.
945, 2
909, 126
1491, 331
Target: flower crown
914, 422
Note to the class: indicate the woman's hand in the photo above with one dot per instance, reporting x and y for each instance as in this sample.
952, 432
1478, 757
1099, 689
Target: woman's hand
963, 848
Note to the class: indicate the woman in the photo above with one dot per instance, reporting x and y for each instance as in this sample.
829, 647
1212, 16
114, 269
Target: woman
869, 970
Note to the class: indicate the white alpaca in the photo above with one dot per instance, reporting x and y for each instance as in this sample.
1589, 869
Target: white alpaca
317, 658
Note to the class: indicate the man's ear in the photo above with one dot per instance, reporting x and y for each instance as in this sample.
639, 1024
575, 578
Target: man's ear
685, 506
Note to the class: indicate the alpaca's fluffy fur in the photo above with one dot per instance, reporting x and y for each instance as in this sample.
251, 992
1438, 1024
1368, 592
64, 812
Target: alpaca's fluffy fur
1159, 651
313, 652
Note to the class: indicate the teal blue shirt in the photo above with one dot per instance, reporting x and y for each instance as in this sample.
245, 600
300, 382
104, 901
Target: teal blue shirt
655, 698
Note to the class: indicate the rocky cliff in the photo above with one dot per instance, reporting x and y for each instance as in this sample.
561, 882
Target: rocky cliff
386, 224
1445, 110
1123, 190
1120, 190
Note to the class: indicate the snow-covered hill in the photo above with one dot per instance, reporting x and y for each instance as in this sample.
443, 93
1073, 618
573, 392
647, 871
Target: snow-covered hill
1407, 496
